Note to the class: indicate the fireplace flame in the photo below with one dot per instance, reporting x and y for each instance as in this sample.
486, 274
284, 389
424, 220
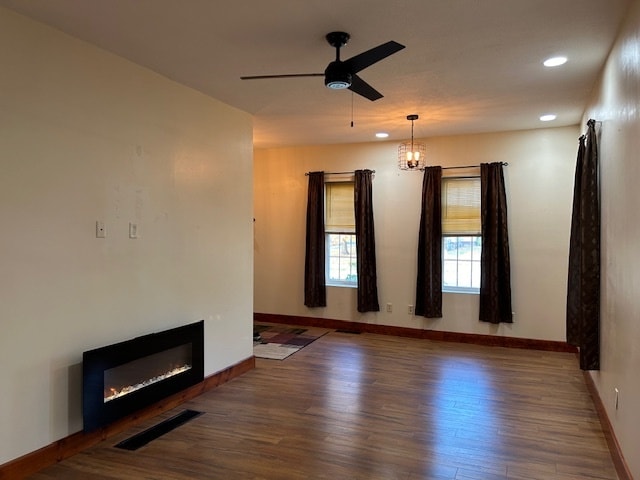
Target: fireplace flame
111, 393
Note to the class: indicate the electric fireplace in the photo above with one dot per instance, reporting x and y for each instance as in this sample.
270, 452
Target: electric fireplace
122, 378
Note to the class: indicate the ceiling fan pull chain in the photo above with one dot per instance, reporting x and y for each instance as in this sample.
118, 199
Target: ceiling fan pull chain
352, 109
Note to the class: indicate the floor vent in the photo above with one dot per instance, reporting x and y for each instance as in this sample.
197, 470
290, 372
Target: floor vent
344, 330
150, 434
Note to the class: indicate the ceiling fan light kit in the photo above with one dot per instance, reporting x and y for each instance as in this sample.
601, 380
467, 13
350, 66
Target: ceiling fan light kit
336, 78
411, 155
343, 74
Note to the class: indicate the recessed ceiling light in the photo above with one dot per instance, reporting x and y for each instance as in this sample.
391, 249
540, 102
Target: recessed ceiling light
382, 134
548, 117
555, 61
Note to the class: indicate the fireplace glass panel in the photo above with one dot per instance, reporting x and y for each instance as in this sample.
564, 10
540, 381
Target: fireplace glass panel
132, 376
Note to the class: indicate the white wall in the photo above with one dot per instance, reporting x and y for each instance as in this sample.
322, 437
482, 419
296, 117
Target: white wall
616, 104
88, 136
539, 181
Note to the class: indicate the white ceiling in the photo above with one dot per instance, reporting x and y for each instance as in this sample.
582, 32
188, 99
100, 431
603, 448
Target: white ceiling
469, 66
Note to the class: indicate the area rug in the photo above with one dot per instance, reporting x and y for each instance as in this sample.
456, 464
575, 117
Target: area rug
278, 342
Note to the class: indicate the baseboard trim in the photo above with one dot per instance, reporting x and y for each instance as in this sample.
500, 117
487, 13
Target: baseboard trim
622, 469
75, 443
472, 338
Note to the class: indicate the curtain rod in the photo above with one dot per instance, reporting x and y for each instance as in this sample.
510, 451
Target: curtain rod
337, 173
470, 166
373, 171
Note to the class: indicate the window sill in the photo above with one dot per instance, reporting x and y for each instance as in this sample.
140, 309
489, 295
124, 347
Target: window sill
342, 285
465, 291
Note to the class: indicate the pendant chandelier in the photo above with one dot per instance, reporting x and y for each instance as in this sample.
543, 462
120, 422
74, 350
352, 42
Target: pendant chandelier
411, 155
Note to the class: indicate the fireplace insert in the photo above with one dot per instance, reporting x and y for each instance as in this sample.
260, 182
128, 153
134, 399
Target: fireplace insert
119, 379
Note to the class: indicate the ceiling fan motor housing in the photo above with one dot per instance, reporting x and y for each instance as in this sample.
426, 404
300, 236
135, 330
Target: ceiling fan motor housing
336, 76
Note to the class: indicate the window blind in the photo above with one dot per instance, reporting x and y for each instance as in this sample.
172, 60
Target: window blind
461, 206
339, 214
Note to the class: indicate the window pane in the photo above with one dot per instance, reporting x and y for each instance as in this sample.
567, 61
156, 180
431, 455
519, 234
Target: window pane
450, 273
334, 245
450, 248
475, 275
334, 268
477, 249
464, 274
464, 248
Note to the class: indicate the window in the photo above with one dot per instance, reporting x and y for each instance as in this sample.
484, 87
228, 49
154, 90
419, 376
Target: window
461, 240
340, 227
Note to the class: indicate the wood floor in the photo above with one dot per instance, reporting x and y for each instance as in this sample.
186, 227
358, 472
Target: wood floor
376, 407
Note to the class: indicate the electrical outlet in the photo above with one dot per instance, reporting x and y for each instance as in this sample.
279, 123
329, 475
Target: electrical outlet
389, 308
410, 309
133, 230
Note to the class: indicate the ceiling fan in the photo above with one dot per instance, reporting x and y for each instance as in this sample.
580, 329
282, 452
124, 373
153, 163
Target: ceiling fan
343, 74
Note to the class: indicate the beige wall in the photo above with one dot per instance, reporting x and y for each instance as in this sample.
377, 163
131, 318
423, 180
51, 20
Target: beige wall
616, 104
87, 136
539, 181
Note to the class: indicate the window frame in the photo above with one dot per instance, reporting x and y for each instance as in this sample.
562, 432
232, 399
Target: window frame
349, 230
458, 234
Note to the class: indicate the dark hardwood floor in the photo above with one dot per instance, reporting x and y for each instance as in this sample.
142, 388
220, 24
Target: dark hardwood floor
376, 407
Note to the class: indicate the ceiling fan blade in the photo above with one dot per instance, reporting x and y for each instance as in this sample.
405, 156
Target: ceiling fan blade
287, 75
361, 87
365, 59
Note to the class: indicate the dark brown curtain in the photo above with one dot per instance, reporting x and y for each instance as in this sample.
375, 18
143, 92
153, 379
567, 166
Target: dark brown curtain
429, 280
495, 276
315, 292
583, 287
365, 242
